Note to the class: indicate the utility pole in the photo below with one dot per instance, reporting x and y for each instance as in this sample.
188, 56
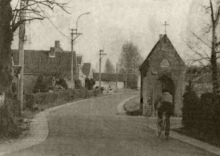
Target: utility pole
72, 50
72, 57
21, 56
101, 53
74, 54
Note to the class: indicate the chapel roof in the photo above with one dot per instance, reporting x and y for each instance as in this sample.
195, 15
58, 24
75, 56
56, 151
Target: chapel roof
163, 39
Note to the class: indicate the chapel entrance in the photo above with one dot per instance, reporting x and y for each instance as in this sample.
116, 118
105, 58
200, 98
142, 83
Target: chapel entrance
164, 82
168, 84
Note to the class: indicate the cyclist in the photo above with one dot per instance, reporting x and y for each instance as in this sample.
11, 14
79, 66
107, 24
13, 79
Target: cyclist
163, 104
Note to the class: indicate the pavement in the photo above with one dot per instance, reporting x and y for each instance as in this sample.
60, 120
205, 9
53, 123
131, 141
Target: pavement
94, 127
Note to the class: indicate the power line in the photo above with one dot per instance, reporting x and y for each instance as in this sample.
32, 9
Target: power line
53, 23
58, 29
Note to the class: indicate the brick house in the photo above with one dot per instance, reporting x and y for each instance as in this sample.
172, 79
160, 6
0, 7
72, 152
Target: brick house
162, 69
46, 62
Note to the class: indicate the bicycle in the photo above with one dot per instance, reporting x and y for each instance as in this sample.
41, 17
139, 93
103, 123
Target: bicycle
161, 127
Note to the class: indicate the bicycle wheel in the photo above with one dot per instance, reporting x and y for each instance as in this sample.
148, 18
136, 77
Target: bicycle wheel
159, 129
166, 133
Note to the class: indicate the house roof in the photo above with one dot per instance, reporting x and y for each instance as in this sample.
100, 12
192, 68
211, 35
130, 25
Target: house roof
39, 62
86, 69
113, 77
159, 43
54, 61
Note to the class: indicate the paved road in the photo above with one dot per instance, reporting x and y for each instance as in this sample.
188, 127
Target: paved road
93, 128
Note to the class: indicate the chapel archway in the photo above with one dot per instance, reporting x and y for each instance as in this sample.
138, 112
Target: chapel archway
168, 84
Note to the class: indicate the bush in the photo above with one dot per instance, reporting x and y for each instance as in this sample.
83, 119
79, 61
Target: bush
40, 85
56, 98
190, 111
63, 83
89, 83
78, 84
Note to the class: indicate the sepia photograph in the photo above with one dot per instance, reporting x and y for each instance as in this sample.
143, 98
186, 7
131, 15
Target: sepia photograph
109, 77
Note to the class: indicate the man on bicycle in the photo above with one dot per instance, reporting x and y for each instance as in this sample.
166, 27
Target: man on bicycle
164, 104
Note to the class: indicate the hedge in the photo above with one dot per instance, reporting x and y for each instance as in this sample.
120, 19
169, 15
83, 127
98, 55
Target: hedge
59, 97
202, 116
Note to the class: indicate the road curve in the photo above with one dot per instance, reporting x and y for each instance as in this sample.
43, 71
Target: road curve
93, 128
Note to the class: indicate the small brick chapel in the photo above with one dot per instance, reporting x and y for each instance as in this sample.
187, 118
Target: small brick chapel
162, 69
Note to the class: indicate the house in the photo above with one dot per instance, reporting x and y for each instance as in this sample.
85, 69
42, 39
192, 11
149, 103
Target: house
119, 80
87, 70
81, 75
49, 63
162, 69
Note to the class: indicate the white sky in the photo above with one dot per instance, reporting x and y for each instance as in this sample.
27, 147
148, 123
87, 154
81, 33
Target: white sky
110, 24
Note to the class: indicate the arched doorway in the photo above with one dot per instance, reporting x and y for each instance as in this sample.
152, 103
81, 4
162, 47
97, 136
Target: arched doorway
164, 82
167, 83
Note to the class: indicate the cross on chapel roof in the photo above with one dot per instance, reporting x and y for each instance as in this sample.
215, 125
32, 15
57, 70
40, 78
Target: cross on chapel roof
165, 25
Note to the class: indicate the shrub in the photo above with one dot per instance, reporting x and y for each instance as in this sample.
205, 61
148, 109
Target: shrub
51, 98
207, 113
190, 111
91, 84
87, 83
63, 83
78, 84
40, 85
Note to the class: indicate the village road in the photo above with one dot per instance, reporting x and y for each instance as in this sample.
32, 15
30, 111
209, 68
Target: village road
93, 128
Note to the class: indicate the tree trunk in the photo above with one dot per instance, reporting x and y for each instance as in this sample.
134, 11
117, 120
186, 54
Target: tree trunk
6, 37
214, 64
214, 21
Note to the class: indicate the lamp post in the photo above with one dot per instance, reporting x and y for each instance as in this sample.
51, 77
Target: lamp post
72, 42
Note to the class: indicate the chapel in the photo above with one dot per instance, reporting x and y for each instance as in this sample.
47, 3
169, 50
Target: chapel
162, 69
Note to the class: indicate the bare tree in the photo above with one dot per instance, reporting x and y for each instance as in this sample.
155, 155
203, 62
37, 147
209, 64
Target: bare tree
206, 45
9, 22
130, 58
34, 10
109, 68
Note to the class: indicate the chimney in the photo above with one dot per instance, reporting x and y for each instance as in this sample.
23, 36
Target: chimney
57, 44
160, 36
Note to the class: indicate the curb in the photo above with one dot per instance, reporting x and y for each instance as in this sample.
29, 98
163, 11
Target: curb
39, 132
38, 129
191, 141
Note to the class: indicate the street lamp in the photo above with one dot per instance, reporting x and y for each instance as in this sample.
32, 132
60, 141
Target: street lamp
86, 13
72, 41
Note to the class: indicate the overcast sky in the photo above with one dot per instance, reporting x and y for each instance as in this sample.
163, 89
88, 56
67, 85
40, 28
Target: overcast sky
112, 23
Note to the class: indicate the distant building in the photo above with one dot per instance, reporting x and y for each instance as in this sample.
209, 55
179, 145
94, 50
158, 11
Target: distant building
110, 80
46, 62
162, 69
87, 70
81, 75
